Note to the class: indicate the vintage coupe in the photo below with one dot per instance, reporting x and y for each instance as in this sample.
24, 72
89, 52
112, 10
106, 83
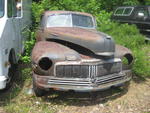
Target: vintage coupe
70, 54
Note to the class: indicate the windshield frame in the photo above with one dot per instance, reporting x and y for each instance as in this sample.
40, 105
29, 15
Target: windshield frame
71, 15
3, 9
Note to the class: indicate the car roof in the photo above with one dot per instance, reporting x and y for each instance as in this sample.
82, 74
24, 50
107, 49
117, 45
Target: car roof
62, 12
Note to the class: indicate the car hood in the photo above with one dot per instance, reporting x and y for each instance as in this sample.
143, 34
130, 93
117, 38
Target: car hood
97, 42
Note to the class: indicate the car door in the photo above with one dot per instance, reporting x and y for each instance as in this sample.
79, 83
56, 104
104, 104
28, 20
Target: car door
17, 20
142, 20
16, 25
11, 26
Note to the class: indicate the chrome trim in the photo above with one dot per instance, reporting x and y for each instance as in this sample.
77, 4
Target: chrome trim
106, 54
89, 62
90, 71
88, 80
87, 85
132, 8
148, 39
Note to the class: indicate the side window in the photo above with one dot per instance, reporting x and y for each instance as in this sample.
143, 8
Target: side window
9, 8
123, 11
1, 8
119, 11
81, 20
128, 11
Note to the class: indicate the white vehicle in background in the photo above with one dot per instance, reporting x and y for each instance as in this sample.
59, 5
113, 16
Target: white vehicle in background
15, 20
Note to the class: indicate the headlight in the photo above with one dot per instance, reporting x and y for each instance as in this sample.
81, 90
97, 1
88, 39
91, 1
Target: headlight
45, 63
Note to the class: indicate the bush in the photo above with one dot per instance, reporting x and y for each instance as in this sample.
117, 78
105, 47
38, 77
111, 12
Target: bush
141, 65
124, 34
28, 48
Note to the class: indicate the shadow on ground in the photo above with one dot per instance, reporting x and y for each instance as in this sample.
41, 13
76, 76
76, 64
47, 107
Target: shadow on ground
139, 79
85, 99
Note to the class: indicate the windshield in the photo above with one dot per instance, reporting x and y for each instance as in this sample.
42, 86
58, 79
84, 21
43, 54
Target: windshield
1, 8
63, 20
70, 20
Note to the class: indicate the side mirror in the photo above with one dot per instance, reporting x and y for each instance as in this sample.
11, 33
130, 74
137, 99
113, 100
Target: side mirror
141, 14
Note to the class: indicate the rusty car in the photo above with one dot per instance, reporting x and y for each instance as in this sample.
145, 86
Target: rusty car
70, 54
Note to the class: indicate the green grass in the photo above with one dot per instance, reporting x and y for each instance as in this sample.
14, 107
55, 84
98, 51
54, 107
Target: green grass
141, 65
18, 101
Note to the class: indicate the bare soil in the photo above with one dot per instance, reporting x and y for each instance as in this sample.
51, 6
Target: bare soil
2, 111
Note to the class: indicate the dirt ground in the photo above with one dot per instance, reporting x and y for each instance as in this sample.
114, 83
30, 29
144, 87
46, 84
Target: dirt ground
1, 110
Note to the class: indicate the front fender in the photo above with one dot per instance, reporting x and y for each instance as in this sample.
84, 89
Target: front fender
52, 50
121, 52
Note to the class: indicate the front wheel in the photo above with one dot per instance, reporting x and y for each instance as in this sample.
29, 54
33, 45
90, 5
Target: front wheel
11, 73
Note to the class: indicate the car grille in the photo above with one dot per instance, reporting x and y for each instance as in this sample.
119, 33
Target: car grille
87, 71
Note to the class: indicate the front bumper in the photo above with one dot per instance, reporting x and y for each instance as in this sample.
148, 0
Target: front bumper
82, 85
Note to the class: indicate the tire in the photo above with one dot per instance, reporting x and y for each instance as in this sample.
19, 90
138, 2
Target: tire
11, 73
38, 91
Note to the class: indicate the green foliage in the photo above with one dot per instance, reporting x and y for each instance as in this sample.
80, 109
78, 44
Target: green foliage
131, 2
28, 48
142, 62
103, 18
124, 34
109, 5
146, 2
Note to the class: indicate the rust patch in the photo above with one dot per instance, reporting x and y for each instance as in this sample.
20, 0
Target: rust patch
50, 49
120, 51
78, 33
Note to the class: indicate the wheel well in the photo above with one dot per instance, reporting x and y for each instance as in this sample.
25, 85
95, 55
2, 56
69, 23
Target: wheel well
129, 58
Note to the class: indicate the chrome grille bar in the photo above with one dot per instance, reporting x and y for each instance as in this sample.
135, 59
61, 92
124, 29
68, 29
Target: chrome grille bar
87, 71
